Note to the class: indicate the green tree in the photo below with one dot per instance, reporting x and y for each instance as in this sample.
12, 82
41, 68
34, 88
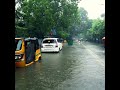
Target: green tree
38, 17
97, 30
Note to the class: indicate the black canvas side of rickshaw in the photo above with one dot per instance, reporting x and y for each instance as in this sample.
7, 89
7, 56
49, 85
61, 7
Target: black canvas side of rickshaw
31, 46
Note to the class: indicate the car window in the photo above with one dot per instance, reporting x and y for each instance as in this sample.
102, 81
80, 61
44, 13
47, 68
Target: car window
60, 40
49, 41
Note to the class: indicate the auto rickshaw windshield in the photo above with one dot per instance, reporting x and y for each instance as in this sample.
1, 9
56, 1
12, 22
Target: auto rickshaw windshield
18, 44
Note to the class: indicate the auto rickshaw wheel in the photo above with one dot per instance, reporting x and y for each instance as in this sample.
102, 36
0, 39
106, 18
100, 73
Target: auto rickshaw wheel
40, 58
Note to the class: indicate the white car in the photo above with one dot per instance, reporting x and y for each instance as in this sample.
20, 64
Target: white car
51, 45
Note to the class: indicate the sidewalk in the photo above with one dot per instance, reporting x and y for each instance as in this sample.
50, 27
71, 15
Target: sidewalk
100, 45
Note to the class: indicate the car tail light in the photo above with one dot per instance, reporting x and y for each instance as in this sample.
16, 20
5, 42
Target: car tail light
56, 45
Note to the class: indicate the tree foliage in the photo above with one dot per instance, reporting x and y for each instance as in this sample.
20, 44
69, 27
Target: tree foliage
97, 30
38, 17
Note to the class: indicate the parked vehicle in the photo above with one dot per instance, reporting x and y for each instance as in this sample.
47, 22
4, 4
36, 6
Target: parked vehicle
51, 45
103, 39
27, 51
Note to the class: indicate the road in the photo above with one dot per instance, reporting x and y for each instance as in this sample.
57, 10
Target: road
77, 67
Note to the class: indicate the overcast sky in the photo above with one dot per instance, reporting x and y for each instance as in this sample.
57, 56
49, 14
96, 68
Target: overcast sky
94, 7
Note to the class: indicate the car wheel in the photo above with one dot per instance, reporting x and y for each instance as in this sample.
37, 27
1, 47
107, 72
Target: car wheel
61, 48
58, 50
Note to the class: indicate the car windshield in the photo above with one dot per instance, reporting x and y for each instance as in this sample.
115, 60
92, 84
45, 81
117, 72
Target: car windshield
49, 41
18, 44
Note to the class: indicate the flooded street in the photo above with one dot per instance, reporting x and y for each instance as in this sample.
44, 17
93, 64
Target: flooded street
77, 67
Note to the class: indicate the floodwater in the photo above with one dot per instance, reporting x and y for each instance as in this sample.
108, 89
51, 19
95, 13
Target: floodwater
77, 67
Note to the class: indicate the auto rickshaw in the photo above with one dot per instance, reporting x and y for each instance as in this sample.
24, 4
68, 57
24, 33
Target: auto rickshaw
27, 51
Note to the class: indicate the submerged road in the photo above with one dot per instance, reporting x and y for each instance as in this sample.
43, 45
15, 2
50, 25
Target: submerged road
77, 67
